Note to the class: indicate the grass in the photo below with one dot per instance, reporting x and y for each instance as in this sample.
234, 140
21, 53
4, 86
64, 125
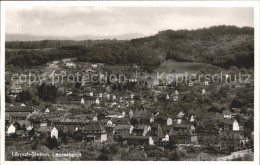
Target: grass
171, 66
174, 68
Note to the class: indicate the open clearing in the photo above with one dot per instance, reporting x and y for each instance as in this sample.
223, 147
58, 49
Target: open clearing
173, 68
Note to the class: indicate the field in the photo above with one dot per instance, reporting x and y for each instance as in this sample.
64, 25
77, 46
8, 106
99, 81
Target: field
171, 66
174, 68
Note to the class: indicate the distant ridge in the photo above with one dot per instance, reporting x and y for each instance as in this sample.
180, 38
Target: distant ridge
25, 37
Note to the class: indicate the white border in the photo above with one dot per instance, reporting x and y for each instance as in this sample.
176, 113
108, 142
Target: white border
254, 4
2, 82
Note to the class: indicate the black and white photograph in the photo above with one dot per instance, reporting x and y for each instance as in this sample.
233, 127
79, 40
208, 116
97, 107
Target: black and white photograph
129, 82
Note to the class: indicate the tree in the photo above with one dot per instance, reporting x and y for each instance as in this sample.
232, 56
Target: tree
23, 96
249, 125
224, 91
216, 107
64, 139
52, 143
103, 157
134, 121
47, 92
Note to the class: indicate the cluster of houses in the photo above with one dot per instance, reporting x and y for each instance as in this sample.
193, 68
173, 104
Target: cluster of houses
149, 129
124, 118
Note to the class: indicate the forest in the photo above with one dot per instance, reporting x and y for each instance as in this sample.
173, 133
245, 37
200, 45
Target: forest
222, 46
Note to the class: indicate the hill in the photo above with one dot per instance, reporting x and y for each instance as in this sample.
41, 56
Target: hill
222, 46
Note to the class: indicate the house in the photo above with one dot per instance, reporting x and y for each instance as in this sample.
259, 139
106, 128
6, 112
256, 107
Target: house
90, 70
226, 114
26, 124
114, 114
97, 101
74, 100
183, 136
20, 133
141, 130
194, 139
204, 130
59, 108
15, 116
131, 113
113, 97
51, 131
192, 119
179, 120
235, 125
180, 114
95, 118
180, 127
109, 122
54, 133
161, 86
70, 64
123, 130
82, 101
203, 91
155, 127
192, 128
166, 138
89, 100
169, 121
190, 84
151, 141
167, 97
47, 110
232, 140
167, 129
15, 90
155, 82
11, 129
69, 92
229, 125
94, 65
158, 138
27, 109
175, 95
94, 132
132, 101
120, 121
8, 118
43, 122
152, 119
134, 140
108, 96
110, 129
38, 121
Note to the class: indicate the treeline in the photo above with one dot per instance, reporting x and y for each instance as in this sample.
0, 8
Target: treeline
45, 44
223, 46
218, 45
123, 53
108, 53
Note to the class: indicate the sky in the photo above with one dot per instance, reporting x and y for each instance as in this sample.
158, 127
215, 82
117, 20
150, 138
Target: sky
71, 21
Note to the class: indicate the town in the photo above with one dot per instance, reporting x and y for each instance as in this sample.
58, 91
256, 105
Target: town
140, 118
